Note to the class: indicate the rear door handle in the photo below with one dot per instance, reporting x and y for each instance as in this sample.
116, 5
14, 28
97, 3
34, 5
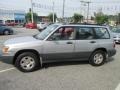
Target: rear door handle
92, 41
69, 43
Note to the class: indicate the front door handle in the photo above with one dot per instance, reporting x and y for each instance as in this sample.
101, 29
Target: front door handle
92, 41
69, 43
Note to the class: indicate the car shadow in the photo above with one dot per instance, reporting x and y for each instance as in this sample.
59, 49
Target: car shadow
56, 64
110, 59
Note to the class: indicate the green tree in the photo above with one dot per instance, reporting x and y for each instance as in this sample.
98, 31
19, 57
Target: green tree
100, 18
50, 16
118, 18
77, 18
28, 16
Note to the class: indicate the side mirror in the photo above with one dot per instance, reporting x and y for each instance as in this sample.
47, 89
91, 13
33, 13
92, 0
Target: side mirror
56, 36
51, 38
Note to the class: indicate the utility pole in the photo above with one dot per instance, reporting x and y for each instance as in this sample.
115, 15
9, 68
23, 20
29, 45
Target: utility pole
63, 11
32, 11
88, 4
53, 12
88, 10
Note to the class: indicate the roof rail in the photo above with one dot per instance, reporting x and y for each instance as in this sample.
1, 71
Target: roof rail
87, 24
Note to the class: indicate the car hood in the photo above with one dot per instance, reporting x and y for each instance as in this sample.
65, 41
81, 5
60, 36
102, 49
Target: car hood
19, 40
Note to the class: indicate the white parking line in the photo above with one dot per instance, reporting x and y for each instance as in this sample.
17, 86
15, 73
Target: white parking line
118, 87
6, 70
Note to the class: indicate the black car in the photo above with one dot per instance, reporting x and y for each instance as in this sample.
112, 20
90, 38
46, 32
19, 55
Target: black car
5, 30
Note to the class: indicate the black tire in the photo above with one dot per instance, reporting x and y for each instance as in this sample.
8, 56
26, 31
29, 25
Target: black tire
92, 60
6, 32
27, 54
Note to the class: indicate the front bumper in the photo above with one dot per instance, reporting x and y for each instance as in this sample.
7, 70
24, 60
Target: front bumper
6, 58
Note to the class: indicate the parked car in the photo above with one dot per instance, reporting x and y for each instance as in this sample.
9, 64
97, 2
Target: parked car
5, 30
1, 24
11, 24
116, 34
59, 42
31, 25
42, 25
24, 24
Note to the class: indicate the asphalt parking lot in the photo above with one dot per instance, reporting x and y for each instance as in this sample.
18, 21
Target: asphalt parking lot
60, 76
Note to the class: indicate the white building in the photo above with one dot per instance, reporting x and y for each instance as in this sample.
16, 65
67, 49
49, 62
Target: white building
12, 16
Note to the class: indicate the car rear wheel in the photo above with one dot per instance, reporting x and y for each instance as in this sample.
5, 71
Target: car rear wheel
98, 58
27, 62
6, 32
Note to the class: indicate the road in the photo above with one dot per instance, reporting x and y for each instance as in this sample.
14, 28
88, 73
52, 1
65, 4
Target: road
61, 76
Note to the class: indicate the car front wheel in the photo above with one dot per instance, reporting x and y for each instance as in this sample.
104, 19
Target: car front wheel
98, 58
27, 62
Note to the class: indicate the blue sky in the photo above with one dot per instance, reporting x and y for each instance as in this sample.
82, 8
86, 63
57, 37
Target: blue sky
44, 7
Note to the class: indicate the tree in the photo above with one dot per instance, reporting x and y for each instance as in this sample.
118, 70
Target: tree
92, 18
118, 18
50, 16
100, 18
28, 16
77, 18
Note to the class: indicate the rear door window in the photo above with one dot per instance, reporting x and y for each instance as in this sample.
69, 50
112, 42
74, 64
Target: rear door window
84, 33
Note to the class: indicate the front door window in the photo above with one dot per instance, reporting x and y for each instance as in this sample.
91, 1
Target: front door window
63, 33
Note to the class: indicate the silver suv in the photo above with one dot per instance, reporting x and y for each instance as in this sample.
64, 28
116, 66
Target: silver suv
60, 42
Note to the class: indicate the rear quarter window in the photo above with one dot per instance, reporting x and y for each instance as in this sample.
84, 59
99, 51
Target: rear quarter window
101, 33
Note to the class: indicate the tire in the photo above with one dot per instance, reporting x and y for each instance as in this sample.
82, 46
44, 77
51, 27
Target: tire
27, 62
98, 58
6, 32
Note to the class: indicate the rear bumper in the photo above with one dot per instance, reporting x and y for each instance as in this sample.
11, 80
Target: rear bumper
111, 53
11, 32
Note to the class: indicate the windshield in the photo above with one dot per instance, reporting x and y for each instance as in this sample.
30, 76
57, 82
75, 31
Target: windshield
46, 32
116, 30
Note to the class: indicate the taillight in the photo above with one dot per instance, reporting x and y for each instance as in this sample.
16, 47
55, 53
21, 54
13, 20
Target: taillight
114, 44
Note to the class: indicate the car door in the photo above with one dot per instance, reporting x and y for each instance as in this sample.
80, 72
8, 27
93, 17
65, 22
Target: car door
60, 45
85, 42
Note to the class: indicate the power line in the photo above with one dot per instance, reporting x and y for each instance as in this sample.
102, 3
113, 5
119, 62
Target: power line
93, 1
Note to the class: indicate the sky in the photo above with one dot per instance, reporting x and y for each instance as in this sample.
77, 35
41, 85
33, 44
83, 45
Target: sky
44, 7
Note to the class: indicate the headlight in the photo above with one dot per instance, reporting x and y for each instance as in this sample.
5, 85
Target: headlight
5, 49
